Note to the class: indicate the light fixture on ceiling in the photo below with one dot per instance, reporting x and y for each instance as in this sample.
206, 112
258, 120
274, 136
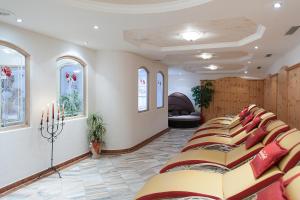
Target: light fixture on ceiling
246, 72
277, 4
86, 43
256, 47
192, 35
249, 62
19, 20
96, 27
212, 67
205, 56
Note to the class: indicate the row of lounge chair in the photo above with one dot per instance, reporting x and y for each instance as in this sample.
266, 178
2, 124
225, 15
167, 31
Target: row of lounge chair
252, 153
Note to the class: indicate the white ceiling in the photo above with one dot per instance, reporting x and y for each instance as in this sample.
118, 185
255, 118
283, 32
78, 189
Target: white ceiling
73, 20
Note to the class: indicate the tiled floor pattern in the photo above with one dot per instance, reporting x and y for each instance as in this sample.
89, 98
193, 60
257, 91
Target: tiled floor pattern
109, 178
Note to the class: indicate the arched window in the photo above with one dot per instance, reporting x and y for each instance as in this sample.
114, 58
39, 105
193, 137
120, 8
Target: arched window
143, 89
72, 85
14, 84
159, 90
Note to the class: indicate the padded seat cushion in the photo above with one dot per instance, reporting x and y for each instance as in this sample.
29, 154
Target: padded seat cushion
240, 182
183, 183
196, 157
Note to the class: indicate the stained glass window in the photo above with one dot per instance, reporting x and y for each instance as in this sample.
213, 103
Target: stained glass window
13, 87
159, 90
71, 87
143, 89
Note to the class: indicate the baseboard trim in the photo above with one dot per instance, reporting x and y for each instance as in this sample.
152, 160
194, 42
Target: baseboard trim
136, 147
21, 183
26, 181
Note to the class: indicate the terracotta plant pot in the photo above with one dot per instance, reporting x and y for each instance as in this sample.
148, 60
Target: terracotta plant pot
95, 149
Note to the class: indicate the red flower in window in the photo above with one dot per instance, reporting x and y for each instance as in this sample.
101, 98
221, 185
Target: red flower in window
74, 77
67, 75
6, 71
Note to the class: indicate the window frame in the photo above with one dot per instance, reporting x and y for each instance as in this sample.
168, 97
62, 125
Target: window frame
148, 89
26, 55
84, 79
163, 92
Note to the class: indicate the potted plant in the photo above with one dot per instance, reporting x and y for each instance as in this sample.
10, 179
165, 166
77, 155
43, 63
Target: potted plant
203, 95
96, 131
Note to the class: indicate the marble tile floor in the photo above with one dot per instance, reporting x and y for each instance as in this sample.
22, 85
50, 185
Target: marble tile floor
109, 178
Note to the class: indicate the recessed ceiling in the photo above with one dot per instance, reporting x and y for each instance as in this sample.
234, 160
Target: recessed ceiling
193, 57
213, 32
222, 68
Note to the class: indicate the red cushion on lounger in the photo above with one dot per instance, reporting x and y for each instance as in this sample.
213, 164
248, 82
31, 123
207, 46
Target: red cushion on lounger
253, 124
273, 192
266, 158
256, 137
244, 113
247, 119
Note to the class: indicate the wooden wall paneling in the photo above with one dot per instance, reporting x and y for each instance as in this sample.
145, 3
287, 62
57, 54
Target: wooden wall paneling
294, 97
273, 99
282, 95
232, 94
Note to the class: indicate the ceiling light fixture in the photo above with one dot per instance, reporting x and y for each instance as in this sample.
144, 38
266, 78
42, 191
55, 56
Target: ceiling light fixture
85, 43
192, 35
205, 56
246, 72
96, 27
19, 20
277, 4
256, 47
249, 62
212, 67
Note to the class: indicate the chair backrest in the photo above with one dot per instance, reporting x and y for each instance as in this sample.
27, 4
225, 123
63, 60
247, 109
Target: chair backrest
252, 107
291, 142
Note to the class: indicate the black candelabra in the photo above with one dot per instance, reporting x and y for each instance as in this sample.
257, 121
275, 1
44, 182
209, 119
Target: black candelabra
51, 130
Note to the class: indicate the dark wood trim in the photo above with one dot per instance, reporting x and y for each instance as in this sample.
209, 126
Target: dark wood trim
21, 183
136, 147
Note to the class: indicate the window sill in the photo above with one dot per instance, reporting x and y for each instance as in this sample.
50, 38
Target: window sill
79, 117
15, 128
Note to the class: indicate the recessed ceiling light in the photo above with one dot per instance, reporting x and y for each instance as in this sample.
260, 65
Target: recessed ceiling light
246, 72
212, 67
96, 27
19, 20
256, 47
85, 43
277, 4
192, 35
205, 56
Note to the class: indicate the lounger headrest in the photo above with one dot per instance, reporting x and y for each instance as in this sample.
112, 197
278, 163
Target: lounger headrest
265, 118
252, 107
259, 112
291, 142
275, 132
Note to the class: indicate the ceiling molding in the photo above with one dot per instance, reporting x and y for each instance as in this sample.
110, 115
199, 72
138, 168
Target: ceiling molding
247, 40
136, 9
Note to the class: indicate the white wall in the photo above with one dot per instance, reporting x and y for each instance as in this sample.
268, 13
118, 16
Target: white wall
117, 99
23, 152
289, 59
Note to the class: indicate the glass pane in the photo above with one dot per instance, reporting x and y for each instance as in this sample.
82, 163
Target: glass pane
71, 87
13, 96
160, 90
142, 90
